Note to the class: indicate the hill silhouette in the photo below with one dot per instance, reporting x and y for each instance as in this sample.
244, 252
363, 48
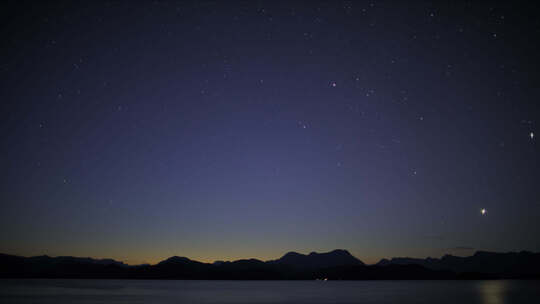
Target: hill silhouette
338, 257
512, 264
334, 265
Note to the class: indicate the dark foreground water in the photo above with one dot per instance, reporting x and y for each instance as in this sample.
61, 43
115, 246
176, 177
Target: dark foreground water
253, 292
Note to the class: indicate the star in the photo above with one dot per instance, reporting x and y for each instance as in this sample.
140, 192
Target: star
531, 135
483, 211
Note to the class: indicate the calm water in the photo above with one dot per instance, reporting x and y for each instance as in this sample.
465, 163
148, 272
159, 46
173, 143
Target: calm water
312, 292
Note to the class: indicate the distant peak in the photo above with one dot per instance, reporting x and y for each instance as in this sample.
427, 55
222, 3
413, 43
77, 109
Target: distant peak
291, 254
341, 251
336, 257
176, 259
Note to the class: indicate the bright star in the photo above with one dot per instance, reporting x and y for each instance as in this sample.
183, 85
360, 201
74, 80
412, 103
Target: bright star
531, 135
483, 211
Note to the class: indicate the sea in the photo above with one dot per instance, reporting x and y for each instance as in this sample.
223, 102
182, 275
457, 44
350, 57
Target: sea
258, 292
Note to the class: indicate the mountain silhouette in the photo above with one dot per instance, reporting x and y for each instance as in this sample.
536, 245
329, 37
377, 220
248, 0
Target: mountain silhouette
334, 265
338, 257
519, 264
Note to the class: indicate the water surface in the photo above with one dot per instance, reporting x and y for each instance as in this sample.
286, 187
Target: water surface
258, 292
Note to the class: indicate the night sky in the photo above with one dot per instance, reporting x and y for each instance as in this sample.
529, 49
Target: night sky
225, 130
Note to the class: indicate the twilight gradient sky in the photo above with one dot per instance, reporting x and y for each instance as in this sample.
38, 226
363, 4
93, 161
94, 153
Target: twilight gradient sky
218, 130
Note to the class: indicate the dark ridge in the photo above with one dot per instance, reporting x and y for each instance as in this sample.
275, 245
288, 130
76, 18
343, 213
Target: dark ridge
334, 258
511, 264
175, 260
334, 265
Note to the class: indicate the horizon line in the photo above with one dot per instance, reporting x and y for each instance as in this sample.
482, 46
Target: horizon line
252, 258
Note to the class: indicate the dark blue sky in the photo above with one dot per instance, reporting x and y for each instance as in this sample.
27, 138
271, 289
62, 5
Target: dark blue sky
216, 130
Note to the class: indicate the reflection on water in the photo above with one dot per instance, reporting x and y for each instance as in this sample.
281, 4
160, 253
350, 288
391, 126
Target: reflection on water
259, 292
493, 292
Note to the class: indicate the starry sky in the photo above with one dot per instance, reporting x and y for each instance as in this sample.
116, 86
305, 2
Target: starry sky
227, 130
